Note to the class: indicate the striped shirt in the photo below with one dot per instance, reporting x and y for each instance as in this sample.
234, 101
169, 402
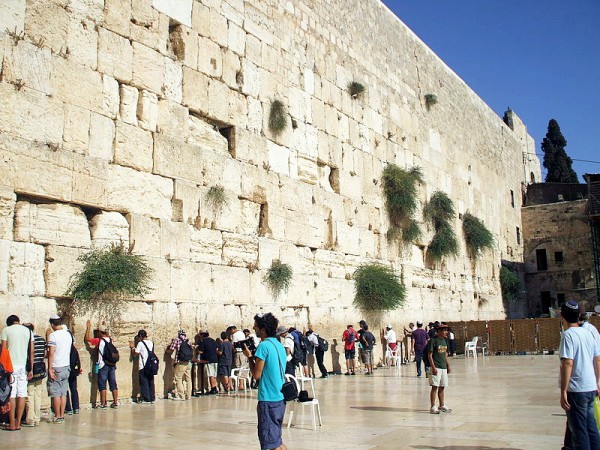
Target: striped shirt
39, 348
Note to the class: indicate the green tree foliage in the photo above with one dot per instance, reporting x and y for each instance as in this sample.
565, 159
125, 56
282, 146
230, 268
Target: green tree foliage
378, 288
278, 277
477, 236
439, 210
556, 160
509, 284
107, 277
443, 243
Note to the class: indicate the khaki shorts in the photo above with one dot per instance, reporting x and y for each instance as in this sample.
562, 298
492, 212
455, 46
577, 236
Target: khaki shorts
211, 369
240, 361
441, 379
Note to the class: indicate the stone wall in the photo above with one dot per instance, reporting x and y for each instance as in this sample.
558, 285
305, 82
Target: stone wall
561, 227
120, 115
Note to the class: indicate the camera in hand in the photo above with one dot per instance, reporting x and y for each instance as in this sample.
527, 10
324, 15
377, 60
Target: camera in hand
248, 343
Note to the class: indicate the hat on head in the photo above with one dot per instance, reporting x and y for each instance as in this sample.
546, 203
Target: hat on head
389, 327
420, 322
442, 327
572, 304
281, 330
202, 332
102, 328
181, 333
52, 317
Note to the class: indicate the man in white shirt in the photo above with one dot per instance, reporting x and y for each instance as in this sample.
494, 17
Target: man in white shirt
142, 351
239, 359
288, 345
59, 367
392, 341
18, 339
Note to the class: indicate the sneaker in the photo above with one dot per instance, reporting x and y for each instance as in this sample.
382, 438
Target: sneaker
177, 399
28, 424
58, 421
103, 406
445, 409
114, 405
70, 413
434, 410
347, 373
75, 411
324, 376
353, 373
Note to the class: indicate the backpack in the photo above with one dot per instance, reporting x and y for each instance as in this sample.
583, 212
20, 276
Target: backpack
5, 387
299, 347
351, 337
110, 354
185, 353
74, 361
151, 365
308, 346
323, 344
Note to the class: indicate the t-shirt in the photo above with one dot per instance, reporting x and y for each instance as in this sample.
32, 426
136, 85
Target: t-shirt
225, 358
39, 348
438, 347
390, 337
580, 345
313, 339
17, 337
142, 351
288, 342
419, 336
208, 347
5, 360
588, 326
99, 344
273, 375
368, 340
61, 340
346, 338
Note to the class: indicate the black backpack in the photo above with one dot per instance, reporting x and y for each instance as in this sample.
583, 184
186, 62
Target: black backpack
299, 353
151, 365
185, 353
110, 354
5, 387
74, 361
323, 344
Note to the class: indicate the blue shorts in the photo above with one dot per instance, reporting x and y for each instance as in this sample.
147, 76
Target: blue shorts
350, 354
107, 373
270, 419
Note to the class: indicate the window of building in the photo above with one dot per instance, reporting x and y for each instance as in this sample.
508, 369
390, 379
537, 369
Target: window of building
518, 236
546, 301
558, 257
541, 259
512, 198
560, 298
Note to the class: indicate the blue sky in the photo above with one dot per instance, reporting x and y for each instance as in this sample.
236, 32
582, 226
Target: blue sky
540, 57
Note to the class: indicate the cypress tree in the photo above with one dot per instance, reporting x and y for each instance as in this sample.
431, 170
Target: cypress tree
556, 160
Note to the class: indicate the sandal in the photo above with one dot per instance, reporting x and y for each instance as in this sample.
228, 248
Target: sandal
11, 429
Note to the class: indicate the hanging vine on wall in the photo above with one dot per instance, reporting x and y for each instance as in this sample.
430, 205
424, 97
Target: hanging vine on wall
216, 198
277, 117
400, 193
510, 285
439, 210
278, 277
378, 288
477, 236
108, 276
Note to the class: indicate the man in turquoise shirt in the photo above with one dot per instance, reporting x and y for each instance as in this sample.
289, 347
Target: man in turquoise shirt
268, 366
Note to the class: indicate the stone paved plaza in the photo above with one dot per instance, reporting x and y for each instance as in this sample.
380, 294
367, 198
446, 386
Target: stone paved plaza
508, 402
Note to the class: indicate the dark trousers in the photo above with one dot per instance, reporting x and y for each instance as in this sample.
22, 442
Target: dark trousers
320, 354
146, 386
581, 420
418, 359
72, 395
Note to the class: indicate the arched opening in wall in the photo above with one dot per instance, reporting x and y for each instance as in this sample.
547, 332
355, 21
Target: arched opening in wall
334, 179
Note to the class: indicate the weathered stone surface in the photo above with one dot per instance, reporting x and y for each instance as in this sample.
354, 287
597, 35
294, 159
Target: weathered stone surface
21, 268
61, 264
191, 281
12, 15
28, 64
48, 21
207, 246
115, 55
77, 85
180, 11
195, 90
76, 129
148, 68
8, 200
109, 228
117, 16
144, 235
206, 137
102, 135
133, 147
148, 26
147, 110
240, 250
110, 97
82, 41
173, 83
175, 240
51, 224
229, 285
129, 104
175, 159
172, 119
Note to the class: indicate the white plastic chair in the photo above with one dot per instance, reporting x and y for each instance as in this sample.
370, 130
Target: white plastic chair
241, 374
314, 405
471, 347
302, 379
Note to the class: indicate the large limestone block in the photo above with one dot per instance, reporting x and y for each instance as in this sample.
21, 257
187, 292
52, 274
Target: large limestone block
61, 264
77, 85
148, 68
76, 129
160, 279
48, 20
49, 173
252, 80
175, 159
195, 90
184, 45
302, 229
109, 228
148, 26
175, 240
117, 16
89, 181
102, 135
21, 268
249, 217
347, 238
210, 58
147, 110
8, 201
173, 83
308, 171
52, 223
187, 200
268, 251
330, 264
129, 104
12, 15
250, 147
28, 64
31, 114
115, 55
279, 158
192, 281
230, 285
236, 38
172, 119
138, 192
206, 246
300, 257
218, 101
110, 97
206, 136
36, 310
144, 235
133, 147
240, 250
90, 9
82, 41
180, 11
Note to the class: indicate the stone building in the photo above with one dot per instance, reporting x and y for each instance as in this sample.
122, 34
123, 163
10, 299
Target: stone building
121, 115
558, 247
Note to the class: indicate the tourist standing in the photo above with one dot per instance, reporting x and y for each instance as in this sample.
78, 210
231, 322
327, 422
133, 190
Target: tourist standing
182, 352
107, 363
368, 341
437, 352
207, 349
267, 367
34, 387
59, 367
143, 350
406, 341
288, 345
319, 352
418, 344
391, 340
349, 338
225, 361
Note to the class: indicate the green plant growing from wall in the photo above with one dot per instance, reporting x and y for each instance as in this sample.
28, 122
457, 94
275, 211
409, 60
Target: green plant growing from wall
216, 199
439, 210
509, 284
430, 100
356, 89
107, 277
400, 193
378, 288
477, 236
278, 277
277, 117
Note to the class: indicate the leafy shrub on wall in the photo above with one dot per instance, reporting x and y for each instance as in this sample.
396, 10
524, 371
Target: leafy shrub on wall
439, 210
277, 117
278, 277
477, 236
378, 288
510, 285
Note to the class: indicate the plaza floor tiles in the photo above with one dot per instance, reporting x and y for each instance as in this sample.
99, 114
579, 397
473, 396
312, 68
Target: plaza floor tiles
500, 402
